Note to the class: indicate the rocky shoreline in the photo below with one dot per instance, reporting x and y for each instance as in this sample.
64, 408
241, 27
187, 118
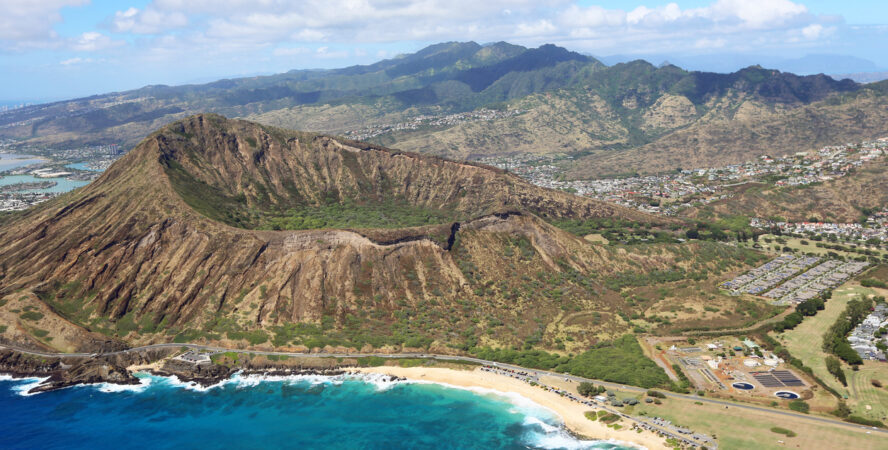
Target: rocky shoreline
63, 372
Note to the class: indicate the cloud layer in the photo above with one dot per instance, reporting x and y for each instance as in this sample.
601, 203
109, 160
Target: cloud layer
198, 37
238, 25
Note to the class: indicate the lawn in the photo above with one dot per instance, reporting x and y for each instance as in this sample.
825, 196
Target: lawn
805, 341
736, 428
864, 393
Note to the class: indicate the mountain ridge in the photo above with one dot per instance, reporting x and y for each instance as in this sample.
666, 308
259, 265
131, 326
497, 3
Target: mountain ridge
607, 110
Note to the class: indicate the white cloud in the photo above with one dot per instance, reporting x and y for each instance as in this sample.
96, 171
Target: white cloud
707, 43
592, 16
755, 13
290, 51
308, 35
221, 30
325, 53
812, 31
147, 21
73, 61
30, 23
538, 28
93, 41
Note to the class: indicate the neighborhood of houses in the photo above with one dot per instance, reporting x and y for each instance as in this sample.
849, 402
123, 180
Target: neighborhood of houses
790, 279
874, 228
426, 121
867, 338
668, 193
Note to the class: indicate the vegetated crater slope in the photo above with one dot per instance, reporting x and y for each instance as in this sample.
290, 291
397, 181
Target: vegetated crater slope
168, 245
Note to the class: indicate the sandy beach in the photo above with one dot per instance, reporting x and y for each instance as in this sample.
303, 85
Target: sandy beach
571, 413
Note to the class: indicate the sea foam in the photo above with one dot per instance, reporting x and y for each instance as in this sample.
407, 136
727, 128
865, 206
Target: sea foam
26, 384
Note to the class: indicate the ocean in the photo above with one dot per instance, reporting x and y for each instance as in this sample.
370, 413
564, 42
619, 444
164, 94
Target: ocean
365, 412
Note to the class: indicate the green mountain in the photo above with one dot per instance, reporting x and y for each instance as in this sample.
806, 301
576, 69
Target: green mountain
627, 117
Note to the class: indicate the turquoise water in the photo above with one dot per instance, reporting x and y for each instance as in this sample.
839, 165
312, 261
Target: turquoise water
64, 184
81, 166
291, 412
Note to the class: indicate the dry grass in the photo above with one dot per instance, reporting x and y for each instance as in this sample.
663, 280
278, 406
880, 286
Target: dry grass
737, 428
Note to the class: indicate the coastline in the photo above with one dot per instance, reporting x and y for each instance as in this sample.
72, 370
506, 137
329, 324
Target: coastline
56, 375
571, 413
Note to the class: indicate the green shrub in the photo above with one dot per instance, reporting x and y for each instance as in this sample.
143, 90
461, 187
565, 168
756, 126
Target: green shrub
799, 406
371, 361
834, 367
872, 282
864, 421
32, 315
834, 339
40, 333
783, 431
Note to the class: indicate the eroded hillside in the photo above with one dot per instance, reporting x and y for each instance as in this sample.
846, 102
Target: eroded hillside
167, 245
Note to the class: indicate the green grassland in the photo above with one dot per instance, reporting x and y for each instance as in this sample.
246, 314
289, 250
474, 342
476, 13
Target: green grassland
619, 361
388, 214
865, 393
805, 343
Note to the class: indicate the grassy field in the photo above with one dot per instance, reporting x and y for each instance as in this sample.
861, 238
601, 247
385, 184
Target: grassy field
810, 247
865, 394
805, 342
737, 428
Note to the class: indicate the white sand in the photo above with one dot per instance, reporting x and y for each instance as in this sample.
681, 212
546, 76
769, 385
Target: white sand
571, 413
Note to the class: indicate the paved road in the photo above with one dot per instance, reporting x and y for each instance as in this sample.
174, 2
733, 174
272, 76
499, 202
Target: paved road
823, 420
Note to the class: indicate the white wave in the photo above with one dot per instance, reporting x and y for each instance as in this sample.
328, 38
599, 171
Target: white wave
556, 437
522, 404
144, 382
547, 428
26, 384
174, 381
241, 381
381, 381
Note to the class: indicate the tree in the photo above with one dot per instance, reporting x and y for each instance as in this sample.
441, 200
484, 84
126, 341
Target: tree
587, 389
800, 406
834, 367
842, 410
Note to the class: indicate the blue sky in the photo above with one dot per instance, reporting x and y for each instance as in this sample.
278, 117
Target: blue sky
54, 49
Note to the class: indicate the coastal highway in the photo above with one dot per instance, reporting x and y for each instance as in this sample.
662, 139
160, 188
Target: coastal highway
727, 404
